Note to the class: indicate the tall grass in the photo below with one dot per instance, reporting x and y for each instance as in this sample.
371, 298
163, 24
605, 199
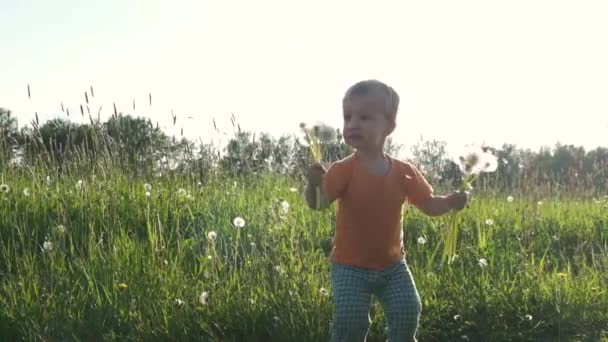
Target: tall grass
132, 267
87, 255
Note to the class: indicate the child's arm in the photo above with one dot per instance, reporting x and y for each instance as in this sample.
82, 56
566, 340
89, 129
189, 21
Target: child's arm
439, 205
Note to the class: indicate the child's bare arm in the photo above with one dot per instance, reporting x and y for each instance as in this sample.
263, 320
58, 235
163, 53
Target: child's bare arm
439, 205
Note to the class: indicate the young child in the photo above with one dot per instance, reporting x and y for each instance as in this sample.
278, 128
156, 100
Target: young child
371, 187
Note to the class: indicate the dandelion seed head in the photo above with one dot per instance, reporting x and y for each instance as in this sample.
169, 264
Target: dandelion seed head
238, 222
147, 186
510, 199
528, 317
421, 240
483, 263
323, 291
489, 222
5, 188
212, 235
148, 194
47, 246
26, 192
203, 297
60, 228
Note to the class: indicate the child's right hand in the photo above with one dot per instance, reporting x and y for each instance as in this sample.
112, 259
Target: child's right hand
315, 174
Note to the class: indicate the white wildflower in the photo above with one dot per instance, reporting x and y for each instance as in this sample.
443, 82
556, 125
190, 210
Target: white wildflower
5, 188
483, 263
212, 235
324, 292
203, 298
489, 222
421, 240
510, 199
60, 228
147, 187
252, 244
284, 207
293, 189
26, 192
148, 194
47, 246
238, 222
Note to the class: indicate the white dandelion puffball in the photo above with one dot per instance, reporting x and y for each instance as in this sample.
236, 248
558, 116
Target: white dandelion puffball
324, 292
421, 240
181, 192
47, 246
239, 222
324, 132
147, 187
212, 235
284, 207
5, 188
293, 189
489, 222
472, 160
60, 229
203, 298
483, 263
148, 194
510, 199
539, 203
529, 317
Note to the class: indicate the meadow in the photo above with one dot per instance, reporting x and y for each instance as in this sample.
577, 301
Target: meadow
108, 256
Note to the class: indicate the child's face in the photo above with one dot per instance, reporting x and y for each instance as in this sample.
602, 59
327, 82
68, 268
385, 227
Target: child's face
365, 125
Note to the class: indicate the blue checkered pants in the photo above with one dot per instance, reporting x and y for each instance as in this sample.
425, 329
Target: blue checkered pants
395, 289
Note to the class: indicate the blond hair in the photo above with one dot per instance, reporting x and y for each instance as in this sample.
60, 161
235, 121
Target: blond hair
387, 96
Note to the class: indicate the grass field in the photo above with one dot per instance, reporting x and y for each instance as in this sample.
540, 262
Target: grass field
107, 257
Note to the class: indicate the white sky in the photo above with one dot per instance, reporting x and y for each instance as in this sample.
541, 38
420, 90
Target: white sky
526, 72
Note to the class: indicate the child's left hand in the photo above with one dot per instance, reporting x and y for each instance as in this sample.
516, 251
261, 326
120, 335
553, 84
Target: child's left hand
458, 200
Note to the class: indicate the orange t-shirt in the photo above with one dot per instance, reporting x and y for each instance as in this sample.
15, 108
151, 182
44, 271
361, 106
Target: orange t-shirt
368, 222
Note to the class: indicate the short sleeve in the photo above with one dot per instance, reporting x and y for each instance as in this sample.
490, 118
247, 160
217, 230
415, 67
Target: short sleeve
335, 180
417, 188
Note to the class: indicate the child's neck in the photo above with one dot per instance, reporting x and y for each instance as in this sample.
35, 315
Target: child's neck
371, 156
